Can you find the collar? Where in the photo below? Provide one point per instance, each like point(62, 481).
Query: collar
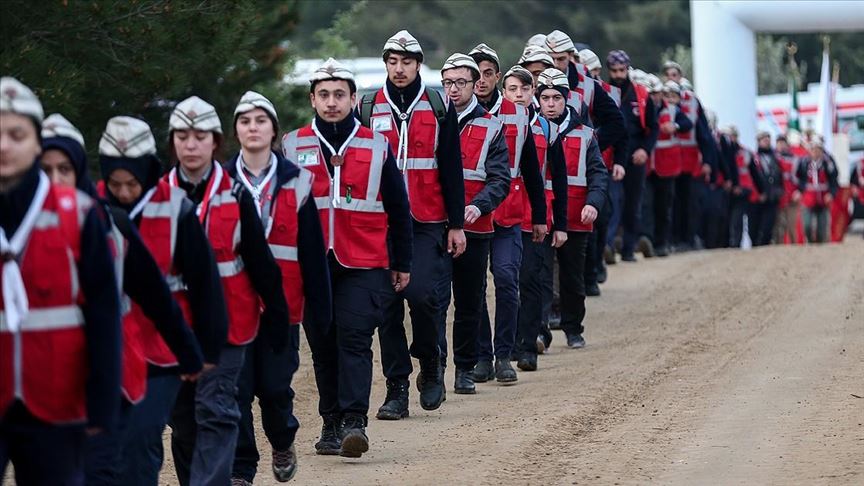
point(468, 109)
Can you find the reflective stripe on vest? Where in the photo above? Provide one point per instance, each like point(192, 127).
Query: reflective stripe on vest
point(282, 252)
point(492, 128)
point(48, 319)
point(382, 109)
point(584, 134)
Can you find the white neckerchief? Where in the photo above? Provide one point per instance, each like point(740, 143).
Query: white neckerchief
point(497, 106)
point(337, 170)
point(536, 117)
point(566, 122)
point(15, 302)
point(402, 152)
point(468, 109)
point(213, 185)
point(254, 189)
point(143, 202)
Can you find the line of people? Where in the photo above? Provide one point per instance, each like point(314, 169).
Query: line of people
point(152, 298)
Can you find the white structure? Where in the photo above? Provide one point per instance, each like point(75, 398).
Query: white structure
point(724, 47)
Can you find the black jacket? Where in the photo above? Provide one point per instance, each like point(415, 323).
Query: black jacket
point(826, 164)
point(637, 136)
point(605, 115)
point(768, 176)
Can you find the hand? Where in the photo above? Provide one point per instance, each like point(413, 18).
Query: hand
point(538, 232)
point(827, 198)
point(559, 238)
point(456, 242)
point(190, 377)
point(617, 172)
point(762, 198)
point(796, 196)
point(706, 170)
point(91, 431)
point(727, 186)
point(589, 214)
point(399, 280)
point(668, 127)
point(737, 190)
point(471, 214)
point(640, 156)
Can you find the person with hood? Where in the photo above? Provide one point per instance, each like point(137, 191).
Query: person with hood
point(172, 233)
point(204, 425)
point(59, 309)
point(140, 280)
point(362, 201)
point(281, 193)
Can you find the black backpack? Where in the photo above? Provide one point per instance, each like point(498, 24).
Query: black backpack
point(435, 100)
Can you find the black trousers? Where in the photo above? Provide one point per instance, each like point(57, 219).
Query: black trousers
point(535, 276)
point(760, 222)
point(427, 267)
point(683, 230)
point(571, 261)
point(342, 358)
point(597, 242)
point(631, 215)
point(738, 207)
point(664, 193)
point(469, 292)
point(714, 223)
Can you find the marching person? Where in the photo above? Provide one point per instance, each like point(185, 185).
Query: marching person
point(586, 186)
point(424, 136)
point(641, 122)
point(486, 173)
point(536, 270)
point(787, 215)
point(817, 187)
point(362, 202)
point(744, 192)
point(282, 201)
point(536, 60)
point(59, 311)
point(140, 281)
point(769, 183)
point(172, 232)
point(526, 184)
point(204, 425)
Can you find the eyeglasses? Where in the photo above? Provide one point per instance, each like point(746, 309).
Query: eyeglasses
point(460, 83)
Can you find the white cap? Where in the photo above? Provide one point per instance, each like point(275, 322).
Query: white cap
point(17, 98)
point(557, 41)
point(654, 83)
point(538, 40)
point(638, 76)
point(554, 78)
point(589, 59)
point(252, 100)
point(816, 140)
point(484, 50)
point(671, 87)
point(672, 65)
point(57, 125)
point(517, 68)
point(536, 54)
point(127, 137)
point(403, 41)
point(193, 113)
point(331, 69)
point(686, 85)
point(459, 60)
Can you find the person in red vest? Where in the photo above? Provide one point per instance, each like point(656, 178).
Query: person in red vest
point(281, 194)
point(592, 63)
point(140, 280)
point(59, 316)
point(172, 232)
point(424, 137)
point(586, 187)
point(485, 164)
point(362, 202)
point(856, 180)
point(536, 270)
point(205, 420)
point(817, 187)
point(744, 191)
point(787, 215)
point(666, 164)
point(526, 184)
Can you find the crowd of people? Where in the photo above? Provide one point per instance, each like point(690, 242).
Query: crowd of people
point(152, 297)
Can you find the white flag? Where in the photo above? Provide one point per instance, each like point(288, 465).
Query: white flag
point(825, 115)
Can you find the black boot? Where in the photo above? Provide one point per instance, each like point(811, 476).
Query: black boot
point(528, 362)
point(330, 443)
point(504, 372)
point(430, 382)
point(396, 404)
point(464, 383)
point(483, 372)
point(592, 290)
point(354, 439)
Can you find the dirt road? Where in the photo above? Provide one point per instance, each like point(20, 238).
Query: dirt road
point(723, 367)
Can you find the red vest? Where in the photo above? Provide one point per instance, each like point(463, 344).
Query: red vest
point(745, 180)
point(474, 140)
point(44, 363)
point(158, 228)
point(542, 145)
point(575, 144)
point(614, 92)
point(575, 99)
point(516, 128)
point(586, 89)
point(690, 161)
point(220, 215)
point(355, 228)
point(817, 184)
point(667, 152)
point(421, 167)
point(642, 101)
point(787, 167)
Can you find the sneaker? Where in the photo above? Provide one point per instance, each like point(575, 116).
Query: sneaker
point(609, 255)
point(645, 247)
point(354, 439)
point(284, 464)
point(330, 443)
point(592, 290)
point(483, 372)
point(575, 341)
point(430, 383)
point(504, 372)
point(464, 384)
point(528, 362)
point(395, 405)
point(240, 482)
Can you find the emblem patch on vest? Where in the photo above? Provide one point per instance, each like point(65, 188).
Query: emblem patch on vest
point(307, 158)
point(381, 124)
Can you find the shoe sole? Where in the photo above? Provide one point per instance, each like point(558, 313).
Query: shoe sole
point(328, 452)
point(578, 346)
point(508, 382)
point(482, 379)
point(354, 445)
point(391, 416)
point(465, 391)
point(283, 478)
point(526, 368)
